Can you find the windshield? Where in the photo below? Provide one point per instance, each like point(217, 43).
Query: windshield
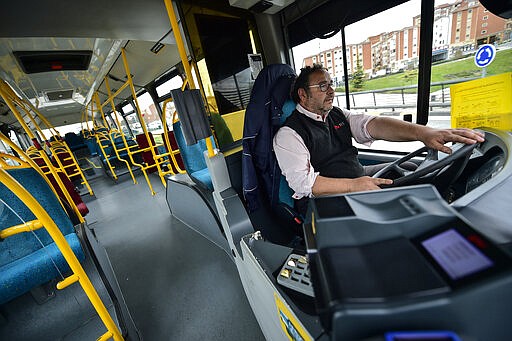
point(382, 58)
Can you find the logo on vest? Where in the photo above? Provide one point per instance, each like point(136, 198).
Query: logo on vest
point(339, 125)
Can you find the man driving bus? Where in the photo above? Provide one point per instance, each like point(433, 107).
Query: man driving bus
point(314, 146)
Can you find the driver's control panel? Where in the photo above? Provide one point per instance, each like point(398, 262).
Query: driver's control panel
point(401, 258)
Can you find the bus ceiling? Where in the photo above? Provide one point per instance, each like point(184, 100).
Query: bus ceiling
point(127, 20)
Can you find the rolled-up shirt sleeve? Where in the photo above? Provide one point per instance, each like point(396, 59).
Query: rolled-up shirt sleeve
point(294, 160)
point(358, 126)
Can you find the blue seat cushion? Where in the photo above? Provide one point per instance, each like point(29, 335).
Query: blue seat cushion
point(288, 107)
point(92, 146)
point(193, 157)
point(26, 258)
point(10, 248)
point(203, 176)
point(74, 141)
point(285, 192)
point(18, 277)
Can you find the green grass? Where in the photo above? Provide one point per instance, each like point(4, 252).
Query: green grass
point(463, 68)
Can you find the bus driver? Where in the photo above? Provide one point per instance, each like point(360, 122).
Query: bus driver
point(314, 146)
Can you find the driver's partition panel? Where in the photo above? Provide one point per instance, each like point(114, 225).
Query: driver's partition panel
point(189, 195)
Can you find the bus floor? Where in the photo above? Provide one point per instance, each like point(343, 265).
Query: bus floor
point(177, 284)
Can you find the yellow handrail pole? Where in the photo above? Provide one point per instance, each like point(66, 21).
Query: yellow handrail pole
point(64, 248)
point(164, 124)
point(26, 106)
point(28, 160)
point(141, 119)
point(167, 145)
point(115, 94)
point(110, 100)
point(99, 135)
point(60, 147)
point(87, 116)
point(179, 42)
point(29, 109)
point(14, 110)
point(82, 119)
point(100, 108)
point(38, 128)
point(83, 122)
point(25, 227)
point(55, 133)
point(86, 132)
point(134, 95)
point(137, 106)
point(184, 58)
point(166, 136)
point(42, 153)
point(82, 114)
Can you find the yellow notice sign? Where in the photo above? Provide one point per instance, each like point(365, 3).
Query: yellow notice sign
point(485, 102)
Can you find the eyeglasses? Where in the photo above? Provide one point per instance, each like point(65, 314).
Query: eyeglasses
point(324, 86)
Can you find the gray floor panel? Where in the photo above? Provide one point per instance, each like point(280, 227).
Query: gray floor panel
point(177, 284)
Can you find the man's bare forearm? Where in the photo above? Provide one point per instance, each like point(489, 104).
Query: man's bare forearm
point(385, 128)
point(325, 186)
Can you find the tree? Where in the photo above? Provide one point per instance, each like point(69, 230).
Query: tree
point(411, 76)
point(358, 77)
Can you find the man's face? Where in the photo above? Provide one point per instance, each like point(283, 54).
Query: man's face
point(313, 98)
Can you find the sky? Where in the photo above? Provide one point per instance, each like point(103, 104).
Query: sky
point(401, 16)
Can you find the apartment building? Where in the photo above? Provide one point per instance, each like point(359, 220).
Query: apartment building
point(473, 25)
point(458, 28)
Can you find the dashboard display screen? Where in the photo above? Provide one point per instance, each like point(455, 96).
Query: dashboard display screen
point(456, 256)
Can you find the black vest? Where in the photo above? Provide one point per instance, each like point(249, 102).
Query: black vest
point(329, 144)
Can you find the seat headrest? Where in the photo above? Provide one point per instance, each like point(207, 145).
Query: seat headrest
point(288, 108)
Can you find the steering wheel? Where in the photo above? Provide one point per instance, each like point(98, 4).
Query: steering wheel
point(440, 170)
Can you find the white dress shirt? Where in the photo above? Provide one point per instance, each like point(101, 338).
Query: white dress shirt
point(293, 155)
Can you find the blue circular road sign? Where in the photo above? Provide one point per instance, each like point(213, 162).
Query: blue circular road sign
point(485, 55)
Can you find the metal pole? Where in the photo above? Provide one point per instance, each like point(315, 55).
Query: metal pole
point(425, 63)
point(184, 58)
point(345, 68)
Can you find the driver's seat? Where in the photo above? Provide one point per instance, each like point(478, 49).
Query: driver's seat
point(264, 187)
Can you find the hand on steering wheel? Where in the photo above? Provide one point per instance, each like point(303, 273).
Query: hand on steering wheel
point(438, 171)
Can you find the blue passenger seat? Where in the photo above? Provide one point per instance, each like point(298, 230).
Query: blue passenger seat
point(29, 259)
point(90, 142)
point(119, 144)
point(193, 157)
point(74, 141)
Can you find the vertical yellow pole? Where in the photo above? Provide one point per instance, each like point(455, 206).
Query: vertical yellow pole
point(4, 92)
point(184, 58)
point(179, 42)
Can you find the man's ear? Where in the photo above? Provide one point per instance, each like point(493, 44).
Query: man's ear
point(302, 93)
